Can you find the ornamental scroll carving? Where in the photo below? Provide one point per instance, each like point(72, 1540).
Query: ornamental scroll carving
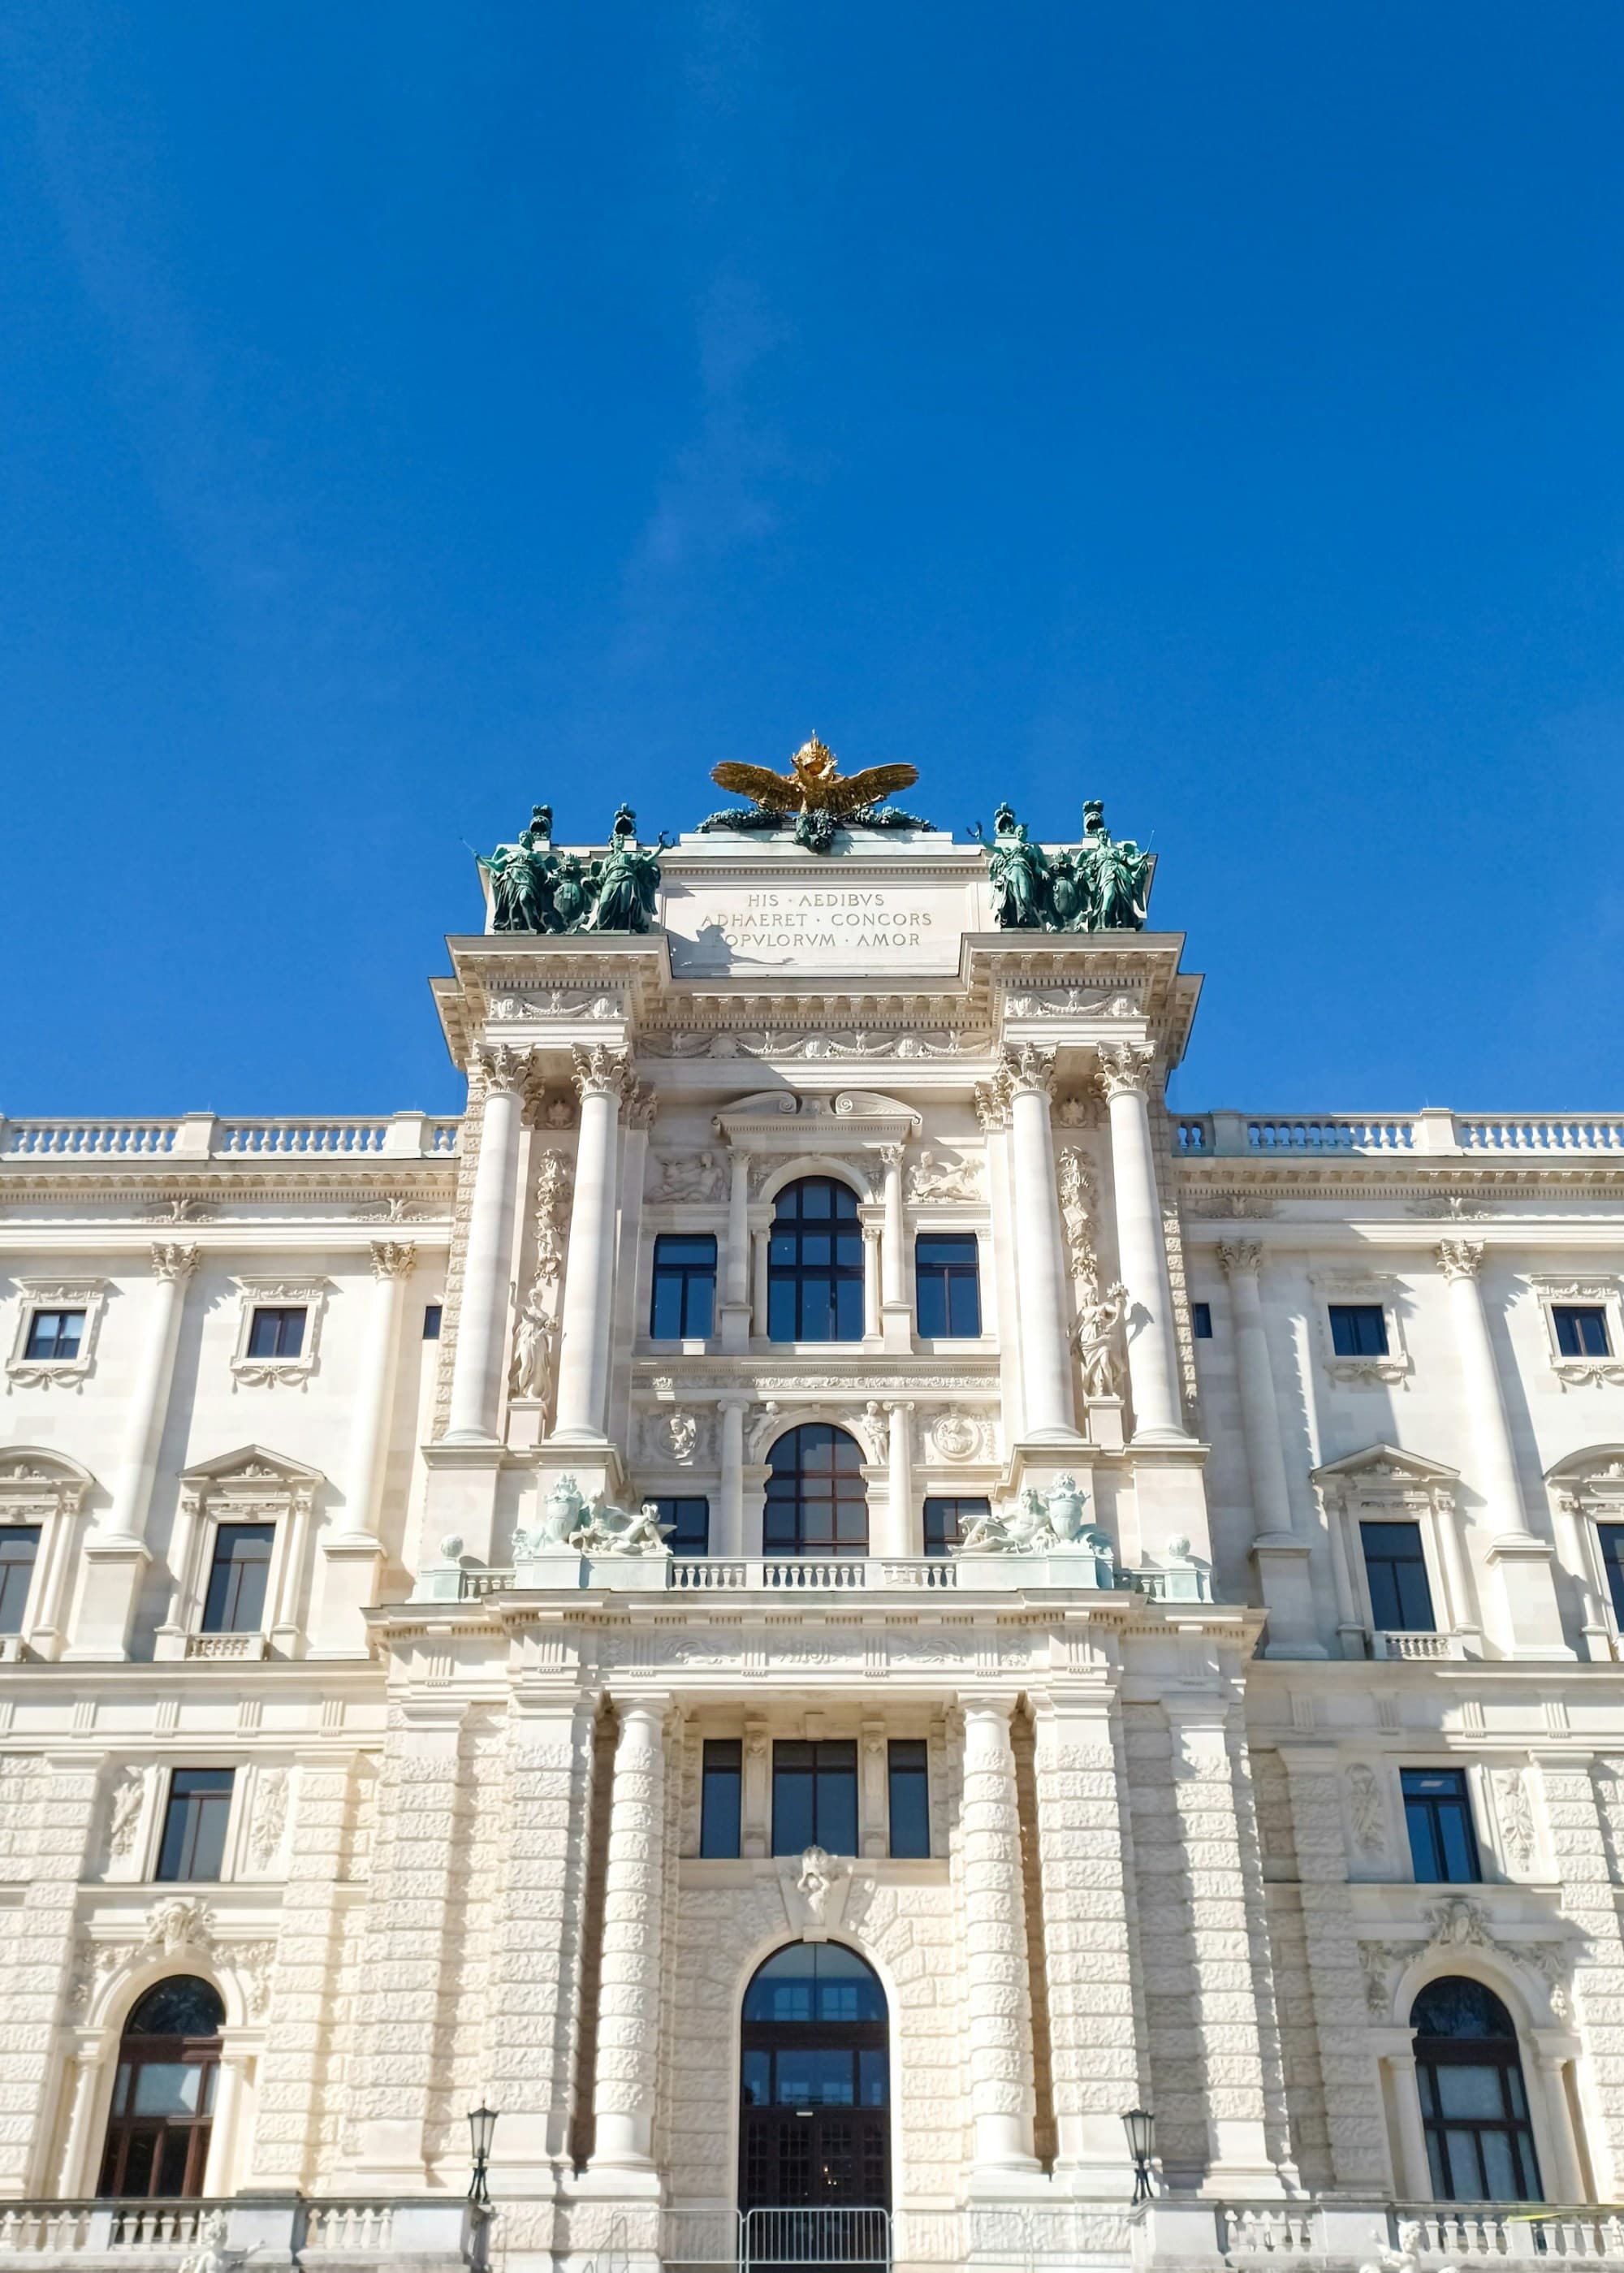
point(1460, 1925)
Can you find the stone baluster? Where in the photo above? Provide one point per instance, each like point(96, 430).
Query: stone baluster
point(1281, 1556)
point(603, 1076)
point(1152, 1348)
point(488, 1268)
point(1041, 1272)
point(729, 1537)
point(115, 1554)
point(735, 1320)
point(897, 1321)
point(1530, 1619)
point(999, 1997)
point(628, 2050)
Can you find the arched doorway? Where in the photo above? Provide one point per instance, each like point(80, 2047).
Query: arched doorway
point(164, 2093)
point(1474, 2103)
point(816, 1502)
point(814, 1263)
point(815, 2084)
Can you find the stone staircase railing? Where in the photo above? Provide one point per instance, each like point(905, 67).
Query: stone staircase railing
point(439, 2230)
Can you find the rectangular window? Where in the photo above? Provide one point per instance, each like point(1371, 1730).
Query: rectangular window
point(235, 1602)
point(815, 1797)
point(689, 1522)
point(685, 1289)
point(947, 1522)
point(193, 1845)
point(1358, 1330)
point(1610, 1537)
point(276, 1333)
point(1443, 1846)
point(949, 1285)
point(1401, 1599)
point(55, 1335)
point(431, 1315)
point(1201, 1321)
point(908, 1768)
point(1581, 1329)
point(721, 1788)
point(19, 1543)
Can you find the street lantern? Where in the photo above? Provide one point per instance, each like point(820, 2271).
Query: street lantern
point(481, 2127)
point(1140, 2125)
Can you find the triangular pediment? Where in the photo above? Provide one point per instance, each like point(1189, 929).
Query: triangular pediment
point(252, 1464)
point(1387, 1460)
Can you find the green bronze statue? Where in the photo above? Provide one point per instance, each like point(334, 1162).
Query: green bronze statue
point(533, 889)
point(1099, 885)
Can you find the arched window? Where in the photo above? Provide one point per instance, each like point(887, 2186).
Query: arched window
point(816, 1502)
point(163, 2095)
point(814, 2084)
point(1473, 2102)
point(814, 1264)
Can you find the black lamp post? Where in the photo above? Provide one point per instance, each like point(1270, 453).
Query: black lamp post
point(482, 2125)
point(1140, 2125)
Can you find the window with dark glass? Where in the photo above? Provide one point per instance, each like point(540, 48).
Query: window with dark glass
point(193, 1845)
point(1474, 2105)
point(814, 1264)
point(1401, 1599)
point(1201, 1321)
point(1610, 1536)
point(690, 1525)
point(234, 1601)
point(684, 1288)
point(947, 1277)
point(1358, 1330)
point(55, 1335)
point(1580, 1331)
point(816, 1502)
point(947, 1522)
point(276, 1333)
point(1443, 1845)
point(814, 2130)
point(815, 1796)
point(19, 1543)
point(909, 1775)
point(164, 2093)
point(722, 1786)
point(432, 1313)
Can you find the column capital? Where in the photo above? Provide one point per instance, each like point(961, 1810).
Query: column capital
point(642, 1103)
point(1126, 1068)
point(598, 1070)
point(646, 1711)
point(1027, 1070)
point(980, 1705)
point(990, 1101)
point(508, 1071)
point(394, 1258)
point(891, 1156)
point(1459, 1259)
point(173, 1262)
point(1241, 1258)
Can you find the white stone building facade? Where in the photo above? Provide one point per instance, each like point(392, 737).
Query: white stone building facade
point(1124, 1538)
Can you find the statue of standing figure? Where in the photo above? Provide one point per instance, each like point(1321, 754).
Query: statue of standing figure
point(531, 1372)
point(534, 888)
point(1099, 885)
point(1099, 1318)
point(1019, 872)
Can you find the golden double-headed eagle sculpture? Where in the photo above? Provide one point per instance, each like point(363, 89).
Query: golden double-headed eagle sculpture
point(816, 786)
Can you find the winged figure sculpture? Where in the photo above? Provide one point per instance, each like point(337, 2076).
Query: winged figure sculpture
point(815, 786)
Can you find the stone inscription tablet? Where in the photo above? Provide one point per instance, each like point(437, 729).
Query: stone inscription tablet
point(883, 927)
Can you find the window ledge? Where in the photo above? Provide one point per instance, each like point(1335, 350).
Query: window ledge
point(1582, 1372)
point(1416, 1645)
point(248, 1646)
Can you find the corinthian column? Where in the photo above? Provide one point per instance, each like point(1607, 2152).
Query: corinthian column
point(487, 1269)
point(629, 1990)
point(1530, 1622)
point(1152, 1352)
point(896, 1325)
point(998, 1992)
point(115, 1554)
point(1050, 1407)
point(603, 1076)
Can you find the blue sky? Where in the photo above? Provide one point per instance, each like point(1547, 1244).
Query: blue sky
point(408, 412)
